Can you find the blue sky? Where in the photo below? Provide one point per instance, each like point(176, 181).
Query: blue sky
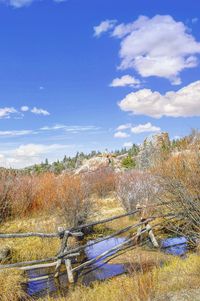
point(96, 74)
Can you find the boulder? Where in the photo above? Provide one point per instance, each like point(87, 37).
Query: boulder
point(93, 164)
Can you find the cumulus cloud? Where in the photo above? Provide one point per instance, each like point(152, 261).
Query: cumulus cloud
point(124, 127)
point(6, 112)
point(28, 154)
point(183, 103)
point(40, 111)
point(143, 128)
point(125, 80)
point(103, 27)
point(157, 46)
point(121, 134)
point(33, 150)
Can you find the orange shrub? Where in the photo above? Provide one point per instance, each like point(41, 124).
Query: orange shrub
point(22, 195)
point(101, 182)
point(73, 199)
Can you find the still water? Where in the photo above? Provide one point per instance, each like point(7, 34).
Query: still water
point(99, 271)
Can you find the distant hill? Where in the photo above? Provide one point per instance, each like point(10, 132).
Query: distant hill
point(153, 149)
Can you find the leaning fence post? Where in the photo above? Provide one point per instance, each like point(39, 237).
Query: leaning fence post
point(69, 270)
point(68, 266)
point(139, 230)
point(57, 268)
point(152, 236)
point(62, 248)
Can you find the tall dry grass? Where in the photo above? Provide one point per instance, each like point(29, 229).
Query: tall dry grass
point(153, 285)
point(10, 286)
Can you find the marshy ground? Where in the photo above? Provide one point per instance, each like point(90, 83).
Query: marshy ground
point(153, 274)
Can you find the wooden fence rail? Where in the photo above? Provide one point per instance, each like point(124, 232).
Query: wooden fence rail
point(79, 227)
point(61, 233)
point(65, 254)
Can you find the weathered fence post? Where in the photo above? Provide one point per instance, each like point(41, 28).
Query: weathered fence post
point(143, 218)
point(152, 236)
point(69, 270)
point(63, 249)
point(139, 230)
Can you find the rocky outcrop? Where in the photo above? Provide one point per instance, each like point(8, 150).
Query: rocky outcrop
point(99, 162)
point(93, 164)
point(151, 150)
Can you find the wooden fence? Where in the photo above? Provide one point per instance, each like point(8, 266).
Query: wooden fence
point(65, 255)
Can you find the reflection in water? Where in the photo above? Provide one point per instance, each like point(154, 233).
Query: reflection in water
point(100, 271)
point(103, 271)
point(46, 286)
point(175, 246)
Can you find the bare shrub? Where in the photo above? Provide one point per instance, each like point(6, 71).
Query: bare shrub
point(22, 195)
point(180, 179)
point(135, 187)
point(73, 199)
point(45, 192)
point(101, 182)
point(6, 182)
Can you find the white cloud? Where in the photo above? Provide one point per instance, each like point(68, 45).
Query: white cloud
point(143, 128)
point(54, 127)
point(15, 133)
point(128, 144)
point(28, 154)
point(157, 46)
point(183, 103)
point(23, 3)
point(18, 3)
point(6, 112)
point(80, 128)
point(24, 108)
point(124, 127)
point(103, 27)
point(72, 128)
point(40, 111)
point(121, 135)
point(57, 127)
point(125, 80)
point(33, 150)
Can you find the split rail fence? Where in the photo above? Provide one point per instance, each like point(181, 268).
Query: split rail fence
point(66, 255)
